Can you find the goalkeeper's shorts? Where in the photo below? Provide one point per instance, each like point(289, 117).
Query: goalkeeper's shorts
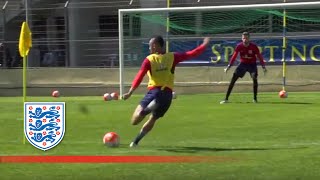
point(243, 68)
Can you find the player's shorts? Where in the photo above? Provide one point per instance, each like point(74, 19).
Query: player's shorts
point(243, 68)
point(162, 99)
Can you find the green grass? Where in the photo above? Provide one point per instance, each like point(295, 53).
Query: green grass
point(274, 139)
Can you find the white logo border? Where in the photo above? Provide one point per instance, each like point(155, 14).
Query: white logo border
point(64, 124)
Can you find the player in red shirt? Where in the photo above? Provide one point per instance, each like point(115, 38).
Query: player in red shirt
point(248, 63)
point(160, 67)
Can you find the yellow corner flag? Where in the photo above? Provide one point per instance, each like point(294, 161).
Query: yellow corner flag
point(25, 40)
point(25, 43)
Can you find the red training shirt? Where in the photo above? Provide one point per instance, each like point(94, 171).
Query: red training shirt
point(248, 55)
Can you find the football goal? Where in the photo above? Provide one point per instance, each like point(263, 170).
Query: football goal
point(286, 33)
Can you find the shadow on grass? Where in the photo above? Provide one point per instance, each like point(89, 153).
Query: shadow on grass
point(83, 109)
point(212, 149)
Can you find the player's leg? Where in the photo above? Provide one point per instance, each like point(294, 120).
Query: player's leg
point(163, 103)
point(144, 130)
point(239, 72)
point(254, 75)
point(234, 79)
point(137, 117)
point(145, 107)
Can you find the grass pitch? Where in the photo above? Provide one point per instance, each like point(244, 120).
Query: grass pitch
point(274, 139)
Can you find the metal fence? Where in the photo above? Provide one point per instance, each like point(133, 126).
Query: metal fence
point(75, 33)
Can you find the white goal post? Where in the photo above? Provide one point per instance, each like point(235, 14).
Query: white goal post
point(122, 12)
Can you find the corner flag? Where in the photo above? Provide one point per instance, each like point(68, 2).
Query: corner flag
point(25, 40)
point(25, 43)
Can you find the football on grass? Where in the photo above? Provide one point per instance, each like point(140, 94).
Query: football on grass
point(55, 93)
point(107, 97)
point(114, 96)
point(111, 139)
point(283, 94)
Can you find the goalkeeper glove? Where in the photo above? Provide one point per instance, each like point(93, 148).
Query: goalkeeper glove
point(227, 68)
point(264, 70)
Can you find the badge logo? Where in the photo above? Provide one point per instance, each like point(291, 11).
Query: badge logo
point(44, 123)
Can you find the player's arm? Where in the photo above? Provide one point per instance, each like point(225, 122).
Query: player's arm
point(145, 67)
point(233, 59)
point(179, 57)
point(260, 57)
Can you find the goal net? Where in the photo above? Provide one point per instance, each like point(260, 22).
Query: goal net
point(287, 32)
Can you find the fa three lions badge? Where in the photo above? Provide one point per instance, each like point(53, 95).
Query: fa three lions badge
point(44, 123)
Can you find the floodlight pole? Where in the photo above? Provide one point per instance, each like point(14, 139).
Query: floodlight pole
point(4, 34)
point(121, 56)
point(66, 36)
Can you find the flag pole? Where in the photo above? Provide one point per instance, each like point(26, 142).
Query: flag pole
point(25, 58)
point(24, 75)
point(168, 27)
point(284, 47)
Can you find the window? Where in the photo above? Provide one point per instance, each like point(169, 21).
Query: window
point(109, 25)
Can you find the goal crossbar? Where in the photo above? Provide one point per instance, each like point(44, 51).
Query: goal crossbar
point(300, 5)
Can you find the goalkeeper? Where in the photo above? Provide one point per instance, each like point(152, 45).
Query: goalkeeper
point(160, 67)
point(248, 63)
